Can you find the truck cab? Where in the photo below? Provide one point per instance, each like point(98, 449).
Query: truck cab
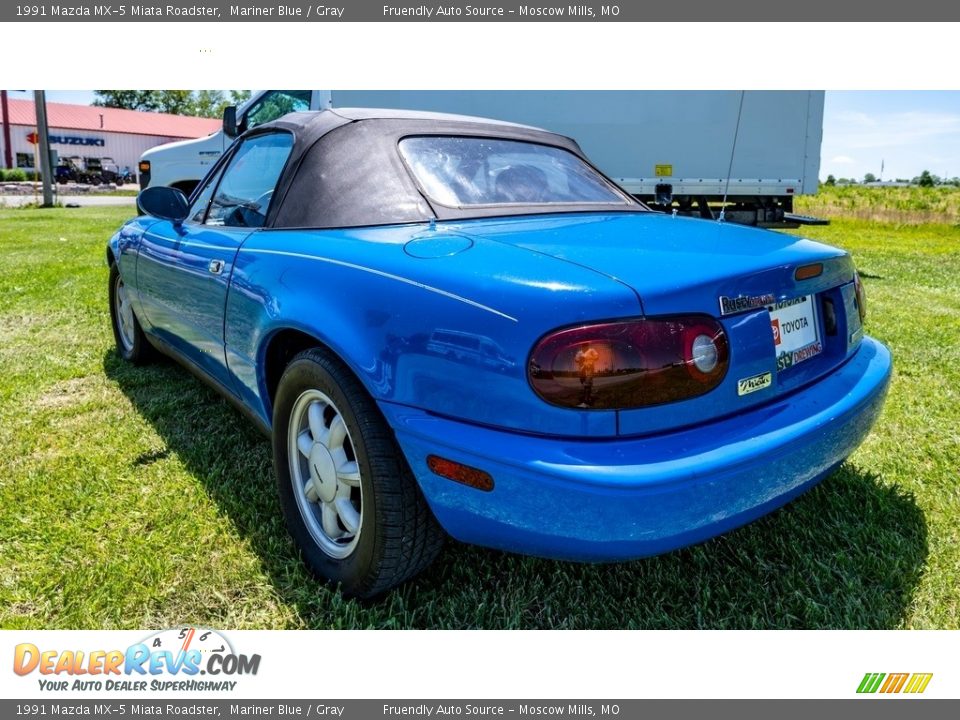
point(183, 164)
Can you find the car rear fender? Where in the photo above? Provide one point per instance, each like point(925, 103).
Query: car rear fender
point(380, 310)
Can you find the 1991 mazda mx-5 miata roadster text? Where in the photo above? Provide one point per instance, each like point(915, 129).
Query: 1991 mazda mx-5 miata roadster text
point(454, 324)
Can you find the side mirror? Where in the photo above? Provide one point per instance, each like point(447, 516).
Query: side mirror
point(230, 121)
point(164, 202)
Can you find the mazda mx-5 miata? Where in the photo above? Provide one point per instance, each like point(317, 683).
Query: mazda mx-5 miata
point(451, 325)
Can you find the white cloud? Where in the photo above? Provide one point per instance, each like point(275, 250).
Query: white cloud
point(855, 130)
point(897, 140)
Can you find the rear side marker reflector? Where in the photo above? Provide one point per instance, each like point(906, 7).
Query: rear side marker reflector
point(805, 272)
point(460, 473)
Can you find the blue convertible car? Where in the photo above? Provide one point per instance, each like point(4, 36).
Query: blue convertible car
point(453, 324)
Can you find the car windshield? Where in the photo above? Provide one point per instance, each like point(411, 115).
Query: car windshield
point(474, 171)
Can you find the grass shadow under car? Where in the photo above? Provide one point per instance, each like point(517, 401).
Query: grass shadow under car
point(848, 554)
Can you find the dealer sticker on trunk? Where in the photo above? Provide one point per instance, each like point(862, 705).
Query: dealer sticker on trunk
point(748, 385)
point(796, 336)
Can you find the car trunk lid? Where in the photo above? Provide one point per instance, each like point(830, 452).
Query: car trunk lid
point(730, 272)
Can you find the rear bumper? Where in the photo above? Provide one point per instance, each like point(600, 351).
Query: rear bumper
point(624, 498)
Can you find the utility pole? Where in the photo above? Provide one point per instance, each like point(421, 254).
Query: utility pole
point(7, 153)
point(40, 101)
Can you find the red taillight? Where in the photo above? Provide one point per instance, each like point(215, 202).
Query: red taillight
point(861, 297)
point(630, 364)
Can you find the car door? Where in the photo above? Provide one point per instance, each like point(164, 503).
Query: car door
point(183, 268)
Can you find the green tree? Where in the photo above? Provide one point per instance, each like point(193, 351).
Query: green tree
point(831, 181)
point(926, 179)
point(869, 178)
point(209, 103)
point(238, 97)
point(202, 103)
point(175, 102)
point(273, 107)
point(127, 99)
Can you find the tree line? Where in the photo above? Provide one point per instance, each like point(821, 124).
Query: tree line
point(199, 103)
point(924, 179)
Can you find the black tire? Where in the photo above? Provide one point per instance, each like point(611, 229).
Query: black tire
point(398, 535)
point(139, 350)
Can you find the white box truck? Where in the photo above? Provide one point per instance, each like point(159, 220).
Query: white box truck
point(678, 150)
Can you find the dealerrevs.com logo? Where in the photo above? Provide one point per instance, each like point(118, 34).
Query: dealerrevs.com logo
point(169, 660)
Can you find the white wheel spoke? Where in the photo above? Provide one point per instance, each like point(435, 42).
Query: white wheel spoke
point(315, 418)
point(348, 514)
point(304, 443)
point(338, 433)
point(349, 474)
point(328, 517)
point(324, 473)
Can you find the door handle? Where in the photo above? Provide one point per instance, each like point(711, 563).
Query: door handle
point(215, 266)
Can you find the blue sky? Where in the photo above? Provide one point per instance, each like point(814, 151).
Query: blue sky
point(907, 131)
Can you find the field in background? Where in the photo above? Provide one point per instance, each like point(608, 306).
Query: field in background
point(898, 205)
point(137, 498)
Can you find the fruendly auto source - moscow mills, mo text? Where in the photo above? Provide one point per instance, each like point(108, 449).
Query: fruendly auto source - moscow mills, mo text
point(306, 11)
point(533, 11)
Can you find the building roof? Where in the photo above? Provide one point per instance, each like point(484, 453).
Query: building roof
point(87, 117)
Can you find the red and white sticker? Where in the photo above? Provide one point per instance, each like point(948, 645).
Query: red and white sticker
point(796, 336)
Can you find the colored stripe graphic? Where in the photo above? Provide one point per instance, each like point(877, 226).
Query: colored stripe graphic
point(870, 682)
point(894, 683)
point(918, 683)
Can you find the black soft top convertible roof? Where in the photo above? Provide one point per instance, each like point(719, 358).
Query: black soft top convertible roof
point(345, 168)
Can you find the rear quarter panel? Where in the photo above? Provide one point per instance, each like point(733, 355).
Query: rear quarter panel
point(379, 309)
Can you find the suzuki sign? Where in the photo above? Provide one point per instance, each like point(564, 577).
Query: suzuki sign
point(33, 138)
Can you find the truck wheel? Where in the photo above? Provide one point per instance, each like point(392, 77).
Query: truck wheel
point(350, 501)
point(132, 344)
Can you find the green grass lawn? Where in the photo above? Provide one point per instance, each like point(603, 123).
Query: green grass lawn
point(137, 498)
